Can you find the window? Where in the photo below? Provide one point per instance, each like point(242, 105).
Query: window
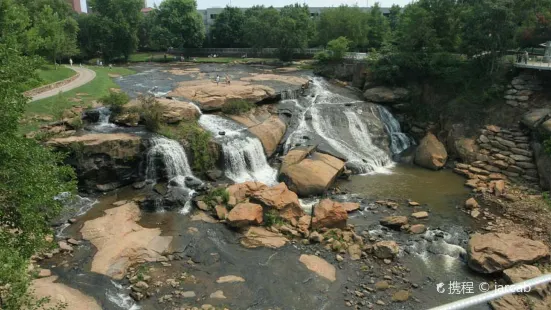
point(314, 14)
point(213, 16)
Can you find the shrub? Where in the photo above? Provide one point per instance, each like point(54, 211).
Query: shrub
point(338, 47)
point(237, 107)
point(115, 101)
point(151, 112)
point(272, 218)
point(211, 198)
point(322, 56)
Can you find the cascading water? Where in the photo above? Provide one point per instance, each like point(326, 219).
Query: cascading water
point(103, 124)
point(335, 122)
point(172, 154)
point(399, 141)
point(244, 156)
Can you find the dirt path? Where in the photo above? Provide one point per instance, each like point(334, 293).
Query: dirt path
point(85, 76)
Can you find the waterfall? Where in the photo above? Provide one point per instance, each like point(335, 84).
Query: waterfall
point(103, 124)
point(399, 141)
point(244, 156)
point(172, 155)
point(289, 94)
point(330, 119)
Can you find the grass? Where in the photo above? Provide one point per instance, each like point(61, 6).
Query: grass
point(47, 74)
point(81, 96)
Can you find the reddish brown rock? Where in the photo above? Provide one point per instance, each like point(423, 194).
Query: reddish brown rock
point(280, 198)
point(431, 153)
point(350, 206)
point(245, 214)
point(329, 214)
point(495, 252)
point(259, 237)
point(471, 203)
point(395, 222)
point(319, 266)
point(386, 249)
point(239, 192)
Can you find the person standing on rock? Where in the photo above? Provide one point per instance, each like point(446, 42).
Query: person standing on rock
point(525, 57)
point(217, 79)
point(71, 61)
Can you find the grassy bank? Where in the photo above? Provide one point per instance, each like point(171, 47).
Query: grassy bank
point(83, 96)
point(47, 74)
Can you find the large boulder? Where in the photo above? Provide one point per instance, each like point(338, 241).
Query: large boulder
point(55, 293)
point(103, 161)
point(212, 97)
point(240, 192)
point(319, 266)
point(245, 214)
point(121, 242)
point(493, 252)
point(431, 153)
point(312, 175)
point(386, 249)
point(280, 198)
point(460, 146)
point(329, 214)
point(383, 94)
point(534, 118)
point(175, 111)
point(260, 237)
point(269, 129)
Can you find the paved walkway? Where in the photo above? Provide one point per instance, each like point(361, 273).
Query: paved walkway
point(534, 65)
point(86, 75)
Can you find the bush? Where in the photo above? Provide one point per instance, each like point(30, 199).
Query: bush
point(237, 107)
point(211, 198)
point(322, 56)
point(338, 47)
point(115, 101)
point(151, 112)
point(272, 218)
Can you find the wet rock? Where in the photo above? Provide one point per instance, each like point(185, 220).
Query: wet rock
point(280, 198)
point(63, 246)
point(382, 94)
point(221, 212)
point(413, 203)
point(58, 293)
point(203, 205)
point(395, 222)
point(417, 229)
point(239, 192)
point(355, 252)
point(420, 215)
point(471, 203)
point(431, 153)
point(121, 241)
point(230, 279)
point(309, 174)
point(245, 214)
point(319, 266)
point(72, 241)
point(141, 285)
point(329, 214)
point(495, 252)
point(192, 182)
point(218, 295)
point(316, 237)
point(259, 236)
point(269, 131)
point(350, 206)
point(386, 249)
point(214, 174)
point(400, 296)
point(203, 217)
point(382, 285)
point(43, 273)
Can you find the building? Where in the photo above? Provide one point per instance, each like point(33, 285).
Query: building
point(209, 14)
point(75, 4)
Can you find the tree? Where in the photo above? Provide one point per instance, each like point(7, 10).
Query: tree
point(344, 21)
point(295, 28)
point(394, 16)
point(181, 23)
point(56, 36)
point(30, 177)
point(338, 47)
point(14, 23)
point(445, 21)
point(258, 29)
point(415, 32)
point(378, 29)
point(227, 30)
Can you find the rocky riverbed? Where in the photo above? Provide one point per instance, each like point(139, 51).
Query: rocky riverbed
point(336, 223)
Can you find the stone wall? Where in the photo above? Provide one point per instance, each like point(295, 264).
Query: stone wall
point(521, 88)
point(504, 154)
point(41, 89)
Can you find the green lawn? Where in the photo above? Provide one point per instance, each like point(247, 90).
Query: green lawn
point(82, 96)
point(47, 74)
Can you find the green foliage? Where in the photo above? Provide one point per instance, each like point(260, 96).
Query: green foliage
point(272, 218)
point(213, 196)
point(112, 31)
point(151, 112)
point(115, 100)
point(378, 28)
point(236, 107)
point(30, 177)
point(547, 146)
point(344, 21)
point(294, 30)
point(338, 47)
point(258, 29)
point(179, 24)
point(227, 30)
point(547, 198)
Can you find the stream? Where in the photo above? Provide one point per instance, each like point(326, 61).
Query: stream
point(365, 135)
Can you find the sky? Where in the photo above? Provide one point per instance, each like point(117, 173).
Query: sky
point(203, 4)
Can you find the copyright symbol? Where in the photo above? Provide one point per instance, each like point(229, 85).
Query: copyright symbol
point(484, 287)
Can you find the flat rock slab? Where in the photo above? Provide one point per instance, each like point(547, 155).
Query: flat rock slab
point(121, 242)
point(258, 236)
point(493, 252)
point(319, 266)
point(230, 279)
point(60, 293)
